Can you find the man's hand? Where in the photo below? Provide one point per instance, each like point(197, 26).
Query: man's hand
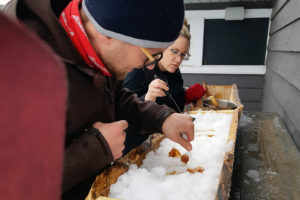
point(114, 135)
point(156, 89)
point(175, 125)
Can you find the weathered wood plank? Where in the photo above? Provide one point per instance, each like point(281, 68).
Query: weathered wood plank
point(286, 39)
point(287, 96)
point(270, 164)
point(225, 179)
point(252, 105)
point(249, 94)
point(272, 105)
point(287, 64)
point(242, 81)
point(289, 13)
point(278, 5)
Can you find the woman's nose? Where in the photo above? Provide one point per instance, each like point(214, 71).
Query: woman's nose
point(178, 58)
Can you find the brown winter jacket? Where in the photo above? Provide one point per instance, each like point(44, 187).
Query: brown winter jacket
point(92, 97)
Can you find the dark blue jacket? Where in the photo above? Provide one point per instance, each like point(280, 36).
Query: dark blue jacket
point(139, 79)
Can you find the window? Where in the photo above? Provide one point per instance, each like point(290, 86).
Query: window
point(227, 47)
point(240, 42)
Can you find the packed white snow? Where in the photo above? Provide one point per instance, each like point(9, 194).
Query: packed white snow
point(151, 180)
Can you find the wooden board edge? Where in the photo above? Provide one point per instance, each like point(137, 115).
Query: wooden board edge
point(225, 178)
point(236, 99)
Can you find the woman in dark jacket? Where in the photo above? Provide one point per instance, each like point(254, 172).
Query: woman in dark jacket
point(163, 84)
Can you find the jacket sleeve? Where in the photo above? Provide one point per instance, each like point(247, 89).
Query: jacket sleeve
point(85, 156)
point(141, 115)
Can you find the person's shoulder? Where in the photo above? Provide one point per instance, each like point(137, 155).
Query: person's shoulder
point(134, 76)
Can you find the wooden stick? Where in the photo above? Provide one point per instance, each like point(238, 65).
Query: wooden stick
point(214, 101)
point(148, 54)
point(206, 88)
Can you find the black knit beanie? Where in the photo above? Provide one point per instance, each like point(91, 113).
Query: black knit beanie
point(145, 23)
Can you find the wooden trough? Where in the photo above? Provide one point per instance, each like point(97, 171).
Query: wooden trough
point(109, 176)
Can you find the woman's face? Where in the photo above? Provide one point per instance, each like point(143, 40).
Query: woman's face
point(173, 56)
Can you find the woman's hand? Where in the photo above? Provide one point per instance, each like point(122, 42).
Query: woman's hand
point(156, 89)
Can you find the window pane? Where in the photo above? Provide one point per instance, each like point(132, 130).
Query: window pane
point(235, 42)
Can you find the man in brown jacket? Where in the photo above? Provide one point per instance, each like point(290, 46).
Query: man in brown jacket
point(100, 41)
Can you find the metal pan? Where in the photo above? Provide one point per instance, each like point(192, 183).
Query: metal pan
point(223, 104)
